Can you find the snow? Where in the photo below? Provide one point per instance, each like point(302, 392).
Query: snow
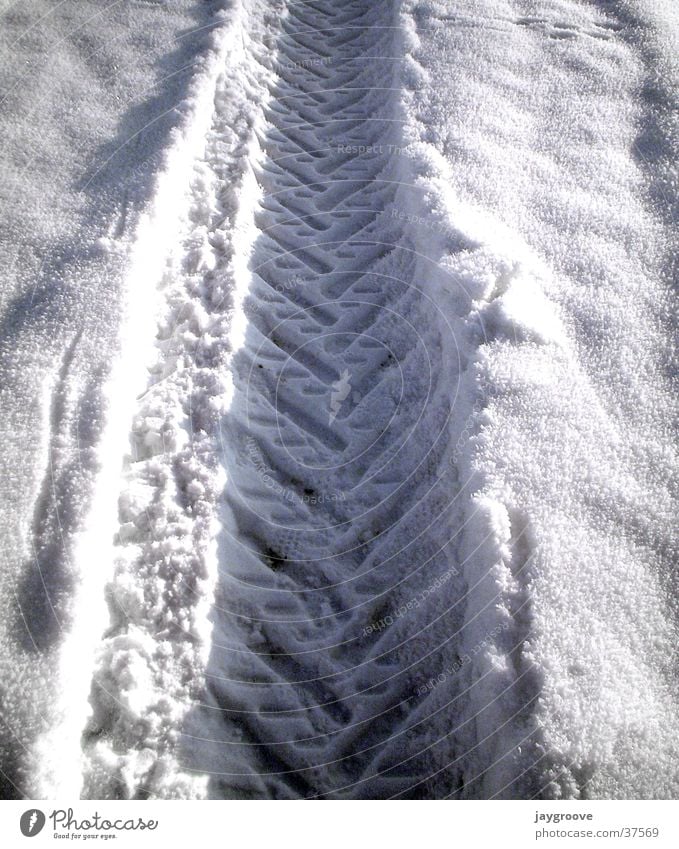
point(89, 97)
point(339, 391)
point(575, 439)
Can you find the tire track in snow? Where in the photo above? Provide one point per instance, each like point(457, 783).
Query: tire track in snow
point(336, 509)
point(304, 359)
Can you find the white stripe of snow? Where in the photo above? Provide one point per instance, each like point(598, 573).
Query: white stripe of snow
point(56, 769)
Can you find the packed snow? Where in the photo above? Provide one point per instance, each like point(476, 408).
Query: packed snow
point(338, 377)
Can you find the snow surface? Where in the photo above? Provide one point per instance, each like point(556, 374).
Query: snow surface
point(90, 93)
point(339, 392)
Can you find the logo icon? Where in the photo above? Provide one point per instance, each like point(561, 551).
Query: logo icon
point(341, 388)
point(32, 822)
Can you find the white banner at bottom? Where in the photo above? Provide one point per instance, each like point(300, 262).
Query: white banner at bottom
point(339, 825)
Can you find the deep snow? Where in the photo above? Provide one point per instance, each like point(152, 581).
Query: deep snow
point(375, 351)
point(90, 94)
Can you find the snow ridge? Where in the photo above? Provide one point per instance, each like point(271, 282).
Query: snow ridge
point(150, 658)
